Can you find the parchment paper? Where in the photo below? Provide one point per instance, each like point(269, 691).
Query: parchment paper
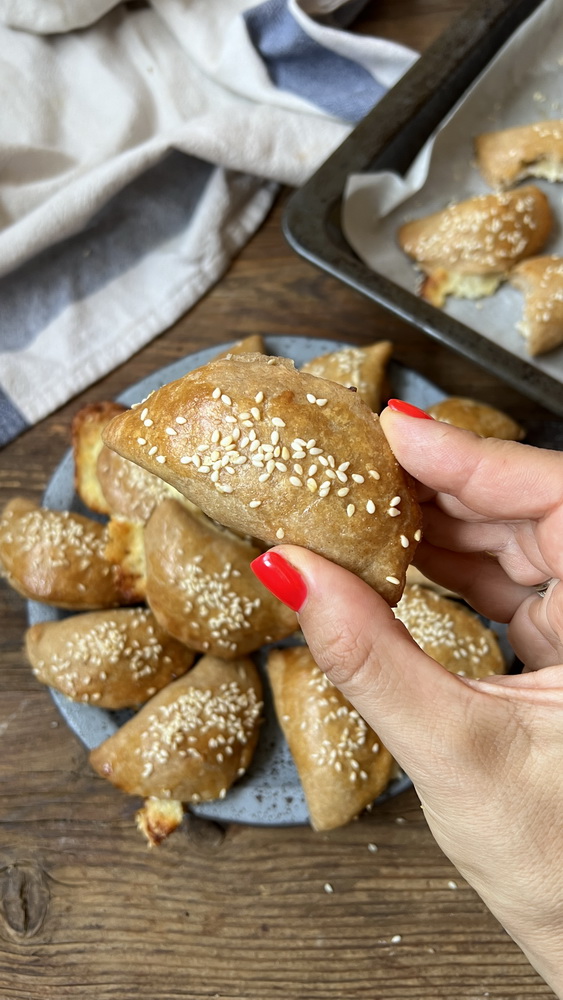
point(523, 84)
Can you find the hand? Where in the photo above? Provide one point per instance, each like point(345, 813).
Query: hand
point(486, 757)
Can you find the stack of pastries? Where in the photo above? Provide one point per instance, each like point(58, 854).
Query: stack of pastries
point(164, 616)
point(471, 247)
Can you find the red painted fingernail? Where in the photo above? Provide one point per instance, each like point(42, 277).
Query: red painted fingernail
point(281, 579)
point(408, 409)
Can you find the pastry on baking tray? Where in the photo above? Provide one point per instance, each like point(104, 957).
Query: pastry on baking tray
point(280, 455)
point(541, 281)
point(113, 658)
point(341, 763)
point(363, 368)
point(192, 740)
point(467, 249)
point(510, 155)
point(86, 430)
point(202, 590)
point(482, 419)
point(450, 633)
point(58, 557)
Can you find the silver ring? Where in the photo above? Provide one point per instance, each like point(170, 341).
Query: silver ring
point(542, 588)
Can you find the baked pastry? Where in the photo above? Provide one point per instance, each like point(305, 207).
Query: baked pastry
point(510, 155)
point(467, 249)
point(253, 344)
point(362, 368)
point(282, 456)
point(341, 763)
point(131, 492)
point(414, 576)
point(202, 590)
point(158, 819)
point(192, 740)
point(482, 419)
point(57, 557)
point(113, 659)
point(86, 430)
point(450, 633)
point(541, 281)
point(125, 549)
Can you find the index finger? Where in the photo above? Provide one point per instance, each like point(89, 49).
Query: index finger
point(502, 479)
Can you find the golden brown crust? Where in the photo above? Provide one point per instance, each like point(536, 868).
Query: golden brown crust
point(361, 367)
point(253, 344)
point(541, 281)
point(192, 740)
point(341, 763)
point(281, 455)
point(125, 549)
point(467, 249)
point(202, 590)
point(130, 491)
point(112, 659)
point(450, 633)
point(510, 155)
point(158, 818)
point(57, 557)
point(87, 426)
point(482, 419)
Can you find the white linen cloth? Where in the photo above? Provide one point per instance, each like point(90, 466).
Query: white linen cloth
point(141, 145)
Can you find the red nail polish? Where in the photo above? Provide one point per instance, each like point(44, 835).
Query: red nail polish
point(408, 409)
point(281, 579)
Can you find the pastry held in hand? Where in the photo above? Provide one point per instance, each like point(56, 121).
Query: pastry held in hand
point(450, 633)
point(363, 368)
point(202, 590)
point(114, 659)
point(192, 740)
point(341, 763)
point(482, 419)
point(467, 249)
point(282, 456)
point(58, 558)
point(541, 281)
point(510, 155)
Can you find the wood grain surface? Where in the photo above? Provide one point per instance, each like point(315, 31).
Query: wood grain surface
point(87, 911)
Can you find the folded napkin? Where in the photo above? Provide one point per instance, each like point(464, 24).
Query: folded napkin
point(142, 144)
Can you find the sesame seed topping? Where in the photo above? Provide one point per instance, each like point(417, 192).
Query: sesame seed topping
point(370, 507)
point(259, 397)
point(393, 512)
point(161, 459)
point(350, 510)
point(404, 541)
point(280, 533)
point(180, 420)
point(278, 422)
point(141, 440)
point(226, 399)
point(395, 502)
point(374, 474)
point(171, 431)
point(392, 579)
point(321, 402)
point(417, 535)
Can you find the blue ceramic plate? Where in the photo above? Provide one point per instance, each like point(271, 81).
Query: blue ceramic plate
point(270, 794)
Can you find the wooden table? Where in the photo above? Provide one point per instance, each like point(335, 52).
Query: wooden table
point(87, 911)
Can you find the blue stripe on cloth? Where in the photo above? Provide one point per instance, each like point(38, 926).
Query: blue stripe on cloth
point(146, 213)
point(12, 422)
point(295, 62)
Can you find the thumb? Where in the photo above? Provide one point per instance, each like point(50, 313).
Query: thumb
point(414, 705)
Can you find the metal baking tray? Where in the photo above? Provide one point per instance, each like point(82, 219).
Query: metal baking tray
point(389, 138)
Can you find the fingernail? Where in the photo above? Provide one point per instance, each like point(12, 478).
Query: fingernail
point(408, 409)
point(281, 579)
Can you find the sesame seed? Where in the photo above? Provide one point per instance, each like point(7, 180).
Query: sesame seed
point(280, 533)
point(374, 474)
point(144, 413)
point(350, 510)
point(171, 432)
point(395, 502)
point(417, 535)
point(321, 402)
point(148, 422)
point(255, 412)
point(370, 507)
point(226, 399)
point(153, 450)
point(254, 503)
point(452, 884)
point(357, 478)
point(311, 398)
point(278, 422)
point(216, 394)
point(328, 887)
point(180, 420)
point(259, 397)
point(161, 459)
point(396, 939)
point(392, 579)
point(141, 440)
point(295, 481)
point(343, 492)
point(373, 848)
point(393, 512)
point(404, 541)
